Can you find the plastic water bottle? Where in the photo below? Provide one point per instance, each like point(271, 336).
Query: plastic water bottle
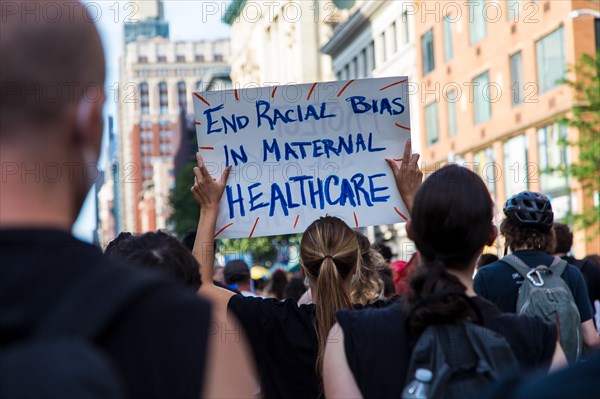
point(419, 387)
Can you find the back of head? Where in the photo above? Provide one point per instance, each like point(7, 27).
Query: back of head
point(564, 238)
point(451, 222)
point(486, 259)
point(329, 255)
point(528, 222)
point(278, 284)
point(162, 253)
point(295, 289)
point(51, 94)
point(236, 271)
point(367, 287)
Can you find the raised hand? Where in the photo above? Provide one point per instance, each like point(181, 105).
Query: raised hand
point(408, 176)
point(208, 191)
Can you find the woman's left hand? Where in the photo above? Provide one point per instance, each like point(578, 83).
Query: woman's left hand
point(208, 191)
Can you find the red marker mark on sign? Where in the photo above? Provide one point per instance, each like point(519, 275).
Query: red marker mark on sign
point(400, 213)
point(273, 92)
point(345, 87)
point(202, 99)
point(198, 123)
point(206, 148)
point(402, 127)
point(253, 228)
point(311, 91)
point(355, 220)
point(393, 84)
point(296, 222)
point(223, 229)
point(237, 96)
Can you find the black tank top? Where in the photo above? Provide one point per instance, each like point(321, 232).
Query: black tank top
point(378, 345)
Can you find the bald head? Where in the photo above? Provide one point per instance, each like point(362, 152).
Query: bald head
point(51, 60)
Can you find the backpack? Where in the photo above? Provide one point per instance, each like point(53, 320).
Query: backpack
point(60, 360)
point(545, 294)
point(464, 358)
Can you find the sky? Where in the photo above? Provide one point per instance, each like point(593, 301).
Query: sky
point(188, 20)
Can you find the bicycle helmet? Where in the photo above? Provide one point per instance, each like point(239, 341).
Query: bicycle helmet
point(529, 209)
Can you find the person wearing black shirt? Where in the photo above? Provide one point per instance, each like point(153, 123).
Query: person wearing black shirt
point(368, 352)
point(527, 229)
point(287, 340)
point(590, 271)
point(159, 344)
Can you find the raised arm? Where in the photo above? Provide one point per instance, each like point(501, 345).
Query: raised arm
point(408, 176)
point(208, 192)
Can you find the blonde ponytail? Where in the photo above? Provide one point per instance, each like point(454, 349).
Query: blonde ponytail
point(331, 297)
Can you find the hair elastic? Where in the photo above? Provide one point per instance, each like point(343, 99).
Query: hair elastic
point(328, 256)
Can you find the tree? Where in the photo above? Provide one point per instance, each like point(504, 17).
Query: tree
point(585, 117)
point(186, 211)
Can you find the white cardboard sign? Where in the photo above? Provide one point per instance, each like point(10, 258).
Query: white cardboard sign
point(299, 152)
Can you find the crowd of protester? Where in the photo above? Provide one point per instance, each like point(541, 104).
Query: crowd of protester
point(157, 317)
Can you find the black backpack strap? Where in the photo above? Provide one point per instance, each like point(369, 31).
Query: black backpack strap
point(95, 299)
point(520, 267)
point(558, 266)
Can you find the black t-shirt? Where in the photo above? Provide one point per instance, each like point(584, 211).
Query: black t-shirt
point(499, 283)
point(159, 342)
point(284, 343)
point(378, 344)
point(591, 275)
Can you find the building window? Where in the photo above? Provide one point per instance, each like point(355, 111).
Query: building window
point(552, 156)
point(482, 108)
point(181, 58)
point(163, 98)
point(355, 68)
point(513, 8)
point(365, 62)
point(218, 58)
point(394, 33)
point(427, 50)
point(383, 47)
point(451, 100)
point(347, 71)
point(162, 58)
point(550, 57)
point(486, 168)
point(431, 123)
point(405, 31)
point(182, 96)
point(142, 59)
point(144, 98)
point(371, 56)
point(447, 38)
point(477, 24)
point(199, 58)
point(515, 165)
point(338, 75)
point(516, 77)
point(199, 86)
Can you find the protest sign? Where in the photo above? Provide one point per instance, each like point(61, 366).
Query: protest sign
point(299, 152)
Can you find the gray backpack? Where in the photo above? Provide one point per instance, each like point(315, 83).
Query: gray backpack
point(545, 294)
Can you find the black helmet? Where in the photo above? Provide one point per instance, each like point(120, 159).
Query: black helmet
point(529, 209)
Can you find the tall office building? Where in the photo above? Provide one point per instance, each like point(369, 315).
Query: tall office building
point(157, 79)
point(490, 94)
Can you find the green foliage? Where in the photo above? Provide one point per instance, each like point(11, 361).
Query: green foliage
point(186, 211)
point(586, 118)
point(264, 250)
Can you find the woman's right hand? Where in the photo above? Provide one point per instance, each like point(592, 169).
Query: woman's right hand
point(408, 176)
point(208, 191)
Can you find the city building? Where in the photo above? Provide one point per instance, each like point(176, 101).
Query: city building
point(490, 94)
point(275, 43)
point(108, 193)
point(157, 79)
